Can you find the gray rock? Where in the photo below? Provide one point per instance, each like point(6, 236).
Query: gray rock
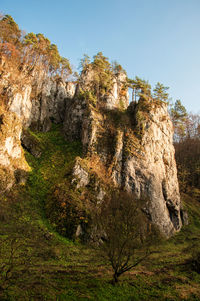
point(137, 151)
point(81, 176)
point(142, 163)
point(31, 144)
point(79, 231)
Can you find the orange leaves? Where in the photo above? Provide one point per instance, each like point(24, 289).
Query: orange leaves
point(9, 50)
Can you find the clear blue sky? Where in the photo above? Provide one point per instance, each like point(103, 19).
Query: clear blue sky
point(157, 40)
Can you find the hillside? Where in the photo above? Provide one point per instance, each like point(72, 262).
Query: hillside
point(47, 266)
point(89, 190)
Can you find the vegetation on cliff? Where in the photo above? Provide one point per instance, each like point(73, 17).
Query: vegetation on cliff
point(66, 226)
point(29, 52)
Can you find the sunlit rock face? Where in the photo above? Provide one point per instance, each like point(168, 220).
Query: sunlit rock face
point(137, 150)
point(149, 169)
point(131, 143)
point(118, 96)
point(13, 166)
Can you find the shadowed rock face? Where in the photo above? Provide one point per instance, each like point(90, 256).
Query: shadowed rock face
point(38, 106)
point(80, 121)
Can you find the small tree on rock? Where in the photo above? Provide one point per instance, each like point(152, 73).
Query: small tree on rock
point(160, 92)
point(141, 88)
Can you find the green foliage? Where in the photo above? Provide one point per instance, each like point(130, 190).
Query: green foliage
point(141, 88)
point(9, 30)
point(62, 203)
point(101, 62)
point(42, 51)
point(50, 267)
point(117, 68)
point(14, 254)
point(30, 39)
point(66, 210)
point(84, 63)
point(65, 68)
point(33, 49)
point(160, 92)
point(102, 74)
point(88, 96)
point(102, 81)
point(179, 118)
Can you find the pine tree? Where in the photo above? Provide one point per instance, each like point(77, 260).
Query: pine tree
point(160, 92)
point(179, 118)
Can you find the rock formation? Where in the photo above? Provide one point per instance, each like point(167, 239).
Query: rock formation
point(135, 146)
point(34, 101)
point(126, 146)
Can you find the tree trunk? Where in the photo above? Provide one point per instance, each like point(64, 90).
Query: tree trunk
point(115, 278)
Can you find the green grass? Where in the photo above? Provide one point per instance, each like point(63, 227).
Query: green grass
point(48, 266)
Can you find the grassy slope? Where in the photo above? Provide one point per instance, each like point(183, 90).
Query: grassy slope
point(55, 268)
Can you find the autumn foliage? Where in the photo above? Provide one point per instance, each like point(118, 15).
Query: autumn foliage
point(30, 51)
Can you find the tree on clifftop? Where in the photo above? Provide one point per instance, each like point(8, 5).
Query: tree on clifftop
point(141, 88)
point(30, 51)
point(102, 74)
point(40, 51)
point(85, 61)
point(160, 92)
point(9, 30)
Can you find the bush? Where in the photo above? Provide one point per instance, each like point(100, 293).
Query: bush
point(66, 211)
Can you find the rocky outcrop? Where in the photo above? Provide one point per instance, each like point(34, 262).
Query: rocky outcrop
point(27, 100)
point(82, 110)
point(30, 143)
point(13, 166)
point(118, 96)
point(149, 169)
point(125, 146)
point(134, 144)
point(38, 106)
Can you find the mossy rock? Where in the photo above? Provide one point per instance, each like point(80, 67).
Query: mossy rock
point(31, 143)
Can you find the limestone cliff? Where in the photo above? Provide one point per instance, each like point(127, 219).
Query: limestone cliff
point(134, 144)
point(125, 146)
point(13, 166)
point(28, 99)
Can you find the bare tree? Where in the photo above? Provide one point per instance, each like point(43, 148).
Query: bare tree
point(126, 233)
